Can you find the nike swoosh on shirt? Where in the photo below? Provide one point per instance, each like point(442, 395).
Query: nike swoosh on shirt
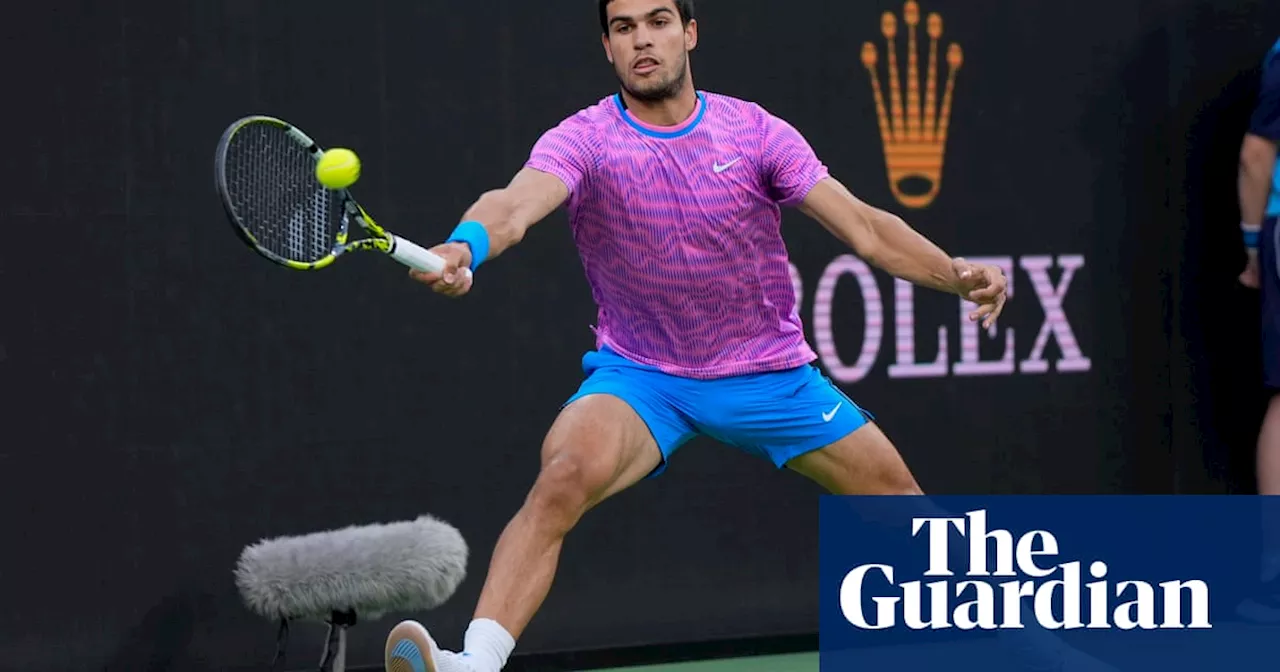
point(721, 167)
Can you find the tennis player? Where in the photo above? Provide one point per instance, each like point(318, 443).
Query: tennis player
point(1259, 186)
point(674, 197)
point(1259, 189)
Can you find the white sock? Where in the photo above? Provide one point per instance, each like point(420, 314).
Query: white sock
point(488, 645)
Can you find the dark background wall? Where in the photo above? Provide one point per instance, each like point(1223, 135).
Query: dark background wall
point(168, 397)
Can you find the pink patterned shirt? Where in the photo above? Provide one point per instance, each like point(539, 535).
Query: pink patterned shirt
point(679, 232)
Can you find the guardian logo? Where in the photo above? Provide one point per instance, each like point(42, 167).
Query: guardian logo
point(991, 580)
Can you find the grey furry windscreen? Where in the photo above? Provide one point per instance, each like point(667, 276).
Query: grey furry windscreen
point(374, 569)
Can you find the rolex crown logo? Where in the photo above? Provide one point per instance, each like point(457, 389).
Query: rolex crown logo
point(915, 138)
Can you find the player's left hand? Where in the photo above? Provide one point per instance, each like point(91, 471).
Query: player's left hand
point(984, 285)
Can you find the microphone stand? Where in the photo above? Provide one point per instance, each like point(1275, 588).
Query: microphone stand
point(336, 661)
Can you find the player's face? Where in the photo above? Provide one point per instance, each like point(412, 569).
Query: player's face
point(649, 47)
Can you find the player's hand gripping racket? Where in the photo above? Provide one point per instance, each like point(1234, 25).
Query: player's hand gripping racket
point(265, 173)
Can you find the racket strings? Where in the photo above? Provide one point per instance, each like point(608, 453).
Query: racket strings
point(271, 184)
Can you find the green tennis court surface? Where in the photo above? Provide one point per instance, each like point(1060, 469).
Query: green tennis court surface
point(795, 662)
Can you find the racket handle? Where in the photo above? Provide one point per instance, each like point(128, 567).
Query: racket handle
point(417, 257)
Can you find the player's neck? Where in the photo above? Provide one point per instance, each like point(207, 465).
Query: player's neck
point(670, 112)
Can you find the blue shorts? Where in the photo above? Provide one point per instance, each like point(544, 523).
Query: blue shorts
point(1269, 270)
point(777, 415)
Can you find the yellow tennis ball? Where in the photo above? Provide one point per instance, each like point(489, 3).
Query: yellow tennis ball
point(338, 168)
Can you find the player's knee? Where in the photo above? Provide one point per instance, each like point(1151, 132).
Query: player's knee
point(566, 487)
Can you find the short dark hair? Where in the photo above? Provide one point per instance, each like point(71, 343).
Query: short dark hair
point(685, 7)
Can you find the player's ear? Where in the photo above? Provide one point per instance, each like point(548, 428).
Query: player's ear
point(608, 50)
point(691, 35)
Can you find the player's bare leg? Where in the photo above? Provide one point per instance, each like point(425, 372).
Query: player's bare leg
point(1269, 450)
point(597, 447)
point(1268, 465)
point(1264, 605)
point(862, 463)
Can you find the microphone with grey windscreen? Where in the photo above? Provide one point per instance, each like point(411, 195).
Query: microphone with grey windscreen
point(338, 575)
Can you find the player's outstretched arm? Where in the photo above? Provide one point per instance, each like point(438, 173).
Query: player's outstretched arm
point(497, 221)
point(885, 241)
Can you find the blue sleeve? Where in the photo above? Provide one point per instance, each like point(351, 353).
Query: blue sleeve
point(1265, 121)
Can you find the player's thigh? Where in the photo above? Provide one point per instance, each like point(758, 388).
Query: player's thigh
point(599, 445)
point(863, 462)
point(1269, 276)
point(800, 419)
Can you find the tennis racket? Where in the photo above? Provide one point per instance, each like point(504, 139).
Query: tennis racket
point(265, 173)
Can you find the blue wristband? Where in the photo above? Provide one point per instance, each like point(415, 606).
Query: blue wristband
point(1251, 239)
point(473, 234)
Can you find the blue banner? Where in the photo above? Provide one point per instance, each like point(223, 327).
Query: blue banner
point(1050, 583)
